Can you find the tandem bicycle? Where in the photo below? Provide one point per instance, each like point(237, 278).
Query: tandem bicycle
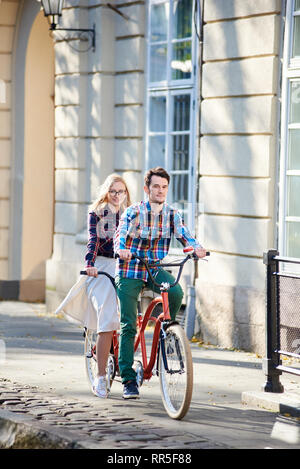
point(169, 355)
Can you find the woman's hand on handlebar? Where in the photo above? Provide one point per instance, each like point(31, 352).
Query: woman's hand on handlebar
point(92, 271)
point(125, 254)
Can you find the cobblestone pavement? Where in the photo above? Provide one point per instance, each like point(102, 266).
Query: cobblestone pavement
point(54, 422)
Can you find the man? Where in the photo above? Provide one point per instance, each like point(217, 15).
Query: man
point(145, 229)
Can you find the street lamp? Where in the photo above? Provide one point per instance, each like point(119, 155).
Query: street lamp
point(53, 9)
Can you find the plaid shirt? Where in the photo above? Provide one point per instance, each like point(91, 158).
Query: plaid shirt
point(101, 230)
point(148, 235)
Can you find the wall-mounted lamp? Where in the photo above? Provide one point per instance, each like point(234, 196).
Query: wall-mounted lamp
point(53, 9)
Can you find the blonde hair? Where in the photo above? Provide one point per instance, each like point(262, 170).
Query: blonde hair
point(102, 197)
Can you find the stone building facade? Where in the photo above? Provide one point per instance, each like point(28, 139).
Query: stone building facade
point(206, 88)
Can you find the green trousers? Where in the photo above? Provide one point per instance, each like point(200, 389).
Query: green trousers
point(128, 290)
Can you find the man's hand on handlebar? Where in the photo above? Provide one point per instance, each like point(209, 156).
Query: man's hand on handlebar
point(125, 254)
point(200, 252)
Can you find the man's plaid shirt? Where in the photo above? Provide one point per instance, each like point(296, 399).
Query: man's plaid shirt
point(148, 235)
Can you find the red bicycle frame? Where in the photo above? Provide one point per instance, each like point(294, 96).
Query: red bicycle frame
point(142, 323)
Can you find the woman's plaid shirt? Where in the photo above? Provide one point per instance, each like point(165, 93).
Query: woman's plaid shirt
point(101, 230)
point(148, 235)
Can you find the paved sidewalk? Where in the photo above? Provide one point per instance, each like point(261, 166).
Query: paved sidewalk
point(45, 400)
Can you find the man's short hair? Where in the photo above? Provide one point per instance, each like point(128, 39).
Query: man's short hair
point(158, 171)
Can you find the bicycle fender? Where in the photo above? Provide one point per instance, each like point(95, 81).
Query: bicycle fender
point(163, 351)
point(168, 324)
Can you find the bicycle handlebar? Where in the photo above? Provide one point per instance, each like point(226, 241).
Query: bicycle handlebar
point(156, 265)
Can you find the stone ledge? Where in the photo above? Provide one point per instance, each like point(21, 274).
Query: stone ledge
point(23, 432)
point(275, 402)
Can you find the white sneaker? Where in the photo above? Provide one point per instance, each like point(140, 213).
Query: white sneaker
point(99, 386)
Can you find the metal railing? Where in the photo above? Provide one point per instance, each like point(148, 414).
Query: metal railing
point(282, 318)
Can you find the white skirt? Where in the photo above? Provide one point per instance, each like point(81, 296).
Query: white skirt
point(92, 301)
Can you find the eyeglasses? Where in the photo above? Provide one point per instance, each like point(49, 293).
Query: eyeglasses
point(114, 193)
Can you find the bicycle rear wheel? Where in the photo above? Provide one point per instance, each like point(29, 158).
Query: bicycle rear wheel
point(90, 355)
point(111, 370)
point(176, 372)
point(91, 360)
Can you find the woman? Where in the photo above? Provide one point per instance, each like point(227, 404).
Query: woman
point(98, 299)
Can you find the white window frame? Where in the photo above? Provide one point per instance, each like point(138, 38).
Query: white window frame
point(170, 88)
point(290, 73)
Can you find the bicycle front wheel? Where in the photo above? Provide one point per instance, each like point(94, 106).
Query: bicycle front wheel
point(176, 372)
